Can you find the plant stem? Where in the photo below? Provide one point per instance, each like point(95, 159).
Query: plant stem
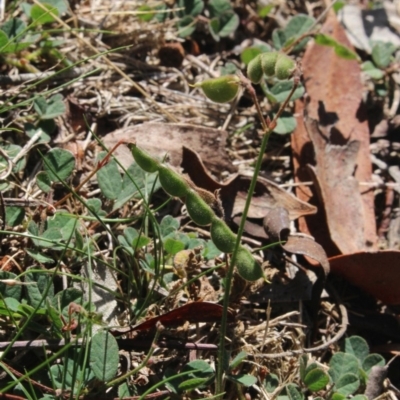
point(268, 128)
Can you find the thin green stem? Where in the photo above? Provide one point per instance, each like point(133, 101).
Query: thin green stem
point(268, 128)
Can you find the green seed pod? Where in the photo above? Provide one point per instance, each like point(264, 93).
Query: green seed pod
point(284, 67)
point(200, 212)
point(222, 236)
point(173, 183)
point(247, 267)
point(143, 159)
point(268, 61)
point(254, 70)
point(222, 89)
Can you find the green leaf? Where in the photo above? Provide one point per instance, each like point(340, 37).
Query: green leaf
point(296, 26)
point(371, 360)
point(271, 383)
point(341, 364)
point(141, 241)
point(14, 215)
point(264, 11)
point(109, 179)
point(186, 26)
point(64, 223)
point(345, 52)
point(45, 128)
point(135, 179)
point(55, 318)
point(12, 305)
point(228, 24)
point(302, 366)
point(359, 397)
point(162, 16)
point(146, 16)
point(3, 40)
point(338, 6)
point(228, 69)
point(169, 225)
point(248, 54)
point(218, 8)
point(369, 68)
point(223, 20)
point(190, 7)
point(285, 124)
point(40, 16)
point(53, 237)
point(104, 356)
point(61, 5)
point(325, 40)
point(338, 396)
point(173, 246)
point(210, 251)
point(64, 298)
point(316, 379)
point(382, 53)
point(43, 287)
point(94, 207)
point(293, 392)
point(357, 346)
point(64, 376)
point(51, 108)
point(237, 360)
point(192, 384)
point(13, 27)
point(200, 368)
point(40, 257)
point(7, 290)
point(243, 379)
point(347, 384)
point(125, 390)
point(11, 150)
point(59, 164)
point(281, 91)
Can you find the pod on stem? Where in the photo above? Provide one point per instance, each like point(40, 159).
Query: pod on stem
point(222, 89)
point(199, 211)
point(143, 159)
point(173, 183)
point(247, 267)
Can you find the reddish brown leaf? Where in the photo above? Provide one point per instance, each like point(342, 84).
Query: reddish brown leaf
point(377, 273)
point(335, 89)
point(337, 187)
point(201, 311)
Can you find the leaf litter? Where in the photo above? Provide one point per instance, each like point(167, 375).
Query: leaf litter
point(111, 103)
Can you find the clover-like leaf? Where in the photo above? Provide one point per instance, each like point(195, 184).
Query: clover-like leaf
point(59, 164)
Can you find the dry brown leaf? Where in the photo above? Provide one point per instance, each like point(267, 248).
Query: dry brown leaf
point(267, 195)
point(335, 89)
point(307, 246)
point(337, 187)
point(160, 139)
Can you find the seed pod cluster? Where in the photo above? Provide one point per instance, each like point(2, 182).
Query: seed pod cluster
point(272, 63)
point(201, 212)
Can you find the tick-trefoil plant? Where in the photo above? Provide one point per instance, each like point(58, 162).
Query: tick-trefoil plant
point(204, 207)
